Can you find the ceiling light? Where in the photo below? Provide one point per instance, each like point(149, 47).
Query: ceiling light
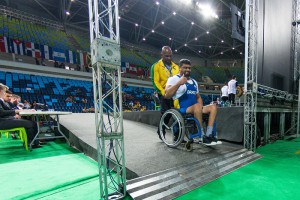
point(67, 13)
point(192, 23)
point(185, 44)
point(174, 13)
point(241, 53)
point(207, 32)
point(232, 47)
point(170, 38)
point(136, 25)
point(144, 39)
point(222, 41)
point(206, 10)
point(175, 50)
point(196, 38)
point(222, 53)
point(119, 17)
point(152, 31)
point(199, 51)
point(162, 22)
point(209, 46)
point(157, 3)
point(72, 0)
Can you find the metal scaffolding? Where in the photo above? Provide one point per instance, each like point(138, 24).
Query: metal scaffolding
point(106, 62)
point(250, 86)
point(295, 45)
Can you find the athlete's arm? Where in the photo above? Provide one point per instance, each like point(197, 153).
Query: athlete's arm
point(171, 89)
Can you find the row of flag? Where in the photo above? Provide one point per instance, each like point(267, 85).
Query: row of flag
point(41, 51)
point(134, 69)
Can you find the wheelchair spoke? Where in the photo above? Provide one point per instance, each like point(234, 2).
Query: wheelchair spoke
point(167, 127)
point(174, 124)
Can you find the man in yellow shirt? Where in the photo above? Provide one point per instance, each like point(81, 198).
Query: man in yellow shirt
point(160, 72)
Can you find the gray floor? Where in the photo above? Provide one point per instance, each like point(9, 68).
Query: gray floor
point(144, 152)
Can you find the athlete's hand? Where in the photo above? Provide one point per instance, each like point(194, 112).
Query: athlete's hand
point(182, 80)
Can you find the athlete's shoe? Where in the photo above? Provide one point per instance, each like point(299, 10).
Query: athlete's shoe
point(215, 140)
point(207, 141)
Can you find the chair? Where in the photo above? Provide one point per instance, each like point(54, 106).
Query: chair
point(22, 134)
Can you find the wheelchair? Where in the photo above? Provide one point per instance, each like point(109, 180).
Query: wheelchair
point(175, 126)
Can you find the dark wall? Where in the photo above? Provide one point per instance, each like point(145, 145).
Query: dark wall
point(274, 41)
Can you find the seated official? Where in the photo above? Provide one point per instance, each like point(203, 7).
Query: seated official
point(185, 89)
point(10, 118)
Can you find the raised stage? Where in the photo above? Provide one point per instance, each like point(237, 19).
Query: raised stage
point(151, 165)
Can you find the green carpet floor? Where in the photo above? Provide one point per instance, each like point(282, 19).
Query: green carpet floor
point(275, 176)
point(56, 171)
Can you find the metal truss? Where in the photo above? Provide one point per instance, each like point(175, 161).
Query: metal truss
point(250, 86)
point(106, 62)
point(295, 45)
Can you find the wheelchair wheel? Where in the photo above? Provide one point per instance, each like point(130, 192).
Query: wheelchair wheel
point(172, 128)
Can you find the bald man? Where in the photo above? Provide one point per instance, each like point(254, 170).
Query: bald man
point(160, 72)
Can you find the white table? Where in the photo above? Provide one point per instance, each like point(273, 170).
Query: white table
point(36, 116)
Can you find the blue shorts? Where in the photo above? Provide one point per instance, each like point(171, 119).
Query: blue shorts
point(183, 110)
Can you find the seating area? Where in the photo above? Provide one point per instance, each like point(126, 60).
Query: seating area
point(23, 30)
point(239, 72)
point(49, 90)
point(217, 74)
point(54, 92)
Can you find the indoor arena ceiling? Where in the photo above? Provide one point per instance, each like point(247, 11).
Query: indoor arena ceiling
point(176, 23)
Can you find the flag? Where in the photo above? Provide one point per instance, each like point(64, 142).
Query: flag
point(17, 47)
point(46, 52)
point(4, 44)
point(32, 50)
point(140, 71)
point(70, 57)
point(132, 69)
point(83, 59)
point(59, 55)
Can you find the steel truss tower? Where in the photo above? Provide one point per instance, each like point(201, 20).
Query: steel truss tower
point(106, 65)
point(250, 86)
point(295, 45)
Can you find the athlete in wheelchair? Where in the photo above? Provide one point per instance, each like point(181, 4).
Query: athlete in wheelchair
point(187, 120)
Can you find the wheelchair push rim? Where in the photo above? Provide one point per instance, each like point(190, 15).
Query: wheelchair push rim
point(174, 130)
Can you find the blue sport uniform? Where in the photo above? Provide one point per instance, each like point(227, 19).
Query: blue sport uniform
point(189, 97)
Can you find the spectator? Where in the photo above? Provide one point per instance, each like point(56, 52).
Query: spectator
point(37, 62)
point(27, 105)
point(91, 109)
point(69, 99)
point(232, 85)
point(87, 69)
point(43, 62)
point(78, 68)
point(56, 64)
point(224, 92)
point(85, 110)
point(62, 65)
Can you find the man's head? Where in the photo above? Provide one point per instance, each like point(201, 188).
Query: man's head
point(3, 89)
point(185, 67)
point(7, 96)
point(15, 99)
point(233, 77)
point(166, 55)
